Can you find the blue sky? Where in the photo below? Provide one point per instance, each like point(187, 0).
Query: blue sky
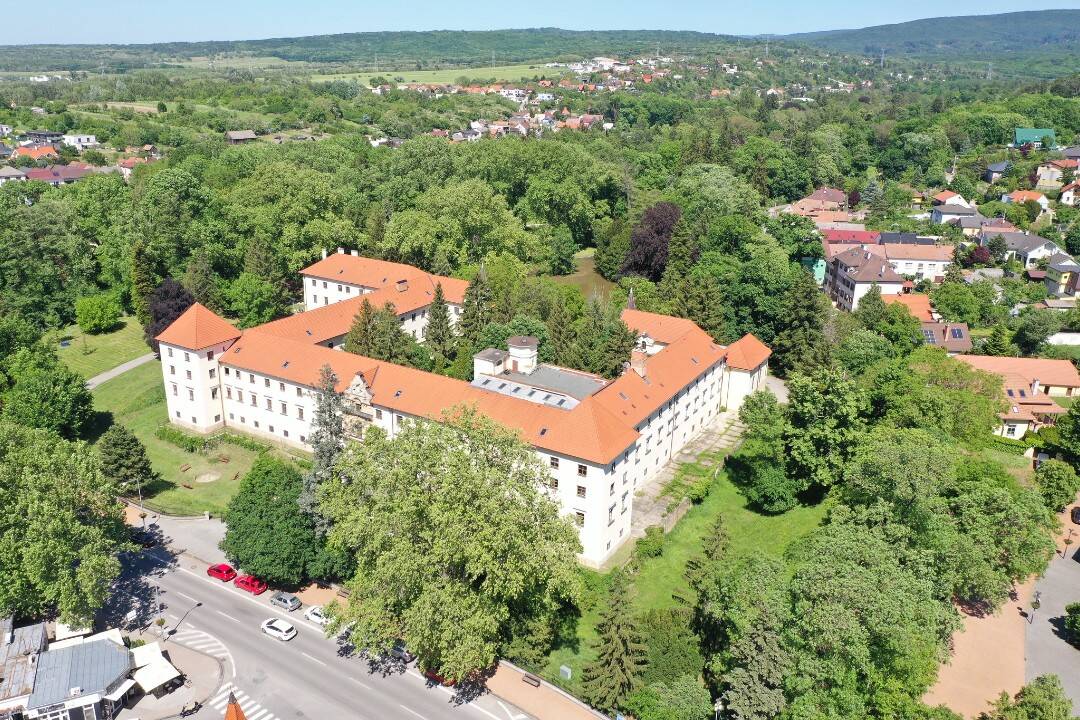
point(138, 21)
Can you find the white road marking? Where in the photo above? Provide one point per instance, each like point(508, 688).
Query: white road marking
point(257, 715)
point(314, 660)
point(491, 715)
point(181, 594)
point(512, 716)
point(227, 615)
point(361, 684)
point(250, 598)
point(413, 712)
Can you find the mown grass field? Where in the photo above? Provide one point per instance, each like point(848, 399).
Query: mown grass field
point(660, 581)
point(90, 355)
point(505, 73)
point(137, 399)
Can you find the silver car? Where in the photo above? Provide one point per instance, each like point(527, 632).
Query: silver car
point(285, 601)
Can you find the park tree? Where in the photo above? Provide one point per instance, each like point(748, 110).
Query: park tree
point(438, 334)
point(1041, 699)
point(560, 333)
point(998, 342)
point(825, 421)
point(144, 281)
point(166, 303)
point(1069, 431)
point(1033, 330)
point(620, 653)
point(1058, 484)
point(46, 394)
point(61, 528)
point(650, 240)
point(123, 459)
point(801, 343)
point(254, 300)
point(476, 310)
point(97, 313)
point(265, 531)
point(681, 698)
point(200, 281)
point(327, 440)
point(454, 542)
point(612, 245)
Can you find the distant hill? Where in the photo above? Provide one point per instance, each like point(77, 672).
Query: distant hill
point(977, 37)
point(394, 49)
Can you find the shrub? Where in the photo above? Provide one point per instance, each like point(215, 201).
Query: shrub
point(652, 545)
point(185, 441)
point(673, 648)
point(1057, 483)
point(1072, 622)
point(242, 441)
point(97, 313)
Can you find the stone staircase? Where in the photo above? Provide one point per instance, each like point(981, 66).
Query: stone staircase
point(720, 438)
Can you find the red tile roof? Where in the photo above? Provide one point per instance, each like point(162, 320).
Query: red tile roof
point(747, 353)
point(197, 328)
point(917, 304)
point(1059, 373)
point(377, 274)
point(851, 236)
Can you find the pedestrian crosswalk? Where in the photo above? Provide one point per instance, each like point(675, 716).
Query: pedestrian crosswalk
point(202, 642)
point(252, 709)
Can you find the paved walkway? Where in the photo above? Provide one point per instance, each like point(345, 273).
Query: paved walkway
point(118, 370)
point(194, 536)
point(202, 675)
point(544, 701)
point(650, 506)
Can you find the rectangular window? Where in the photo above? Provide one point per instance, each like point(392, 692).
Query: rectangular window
point(254, 401)
point(228, 392)
point(175, 390)
point(194, 421)
point(190, 394)
point(553, 482)
point(348, 290)
point(210, 355)
point(281, 387)
point(300, 413)
point(226, 372)
point(213, 373)
point(581, 491)
point(243, 419)
point(582, 470)
point(177, 414)
point(284, 409)
point(256, 423)
point(378, 414)
point(217, 418)
point(187, 358)
point(188, 373)
point(240, 396)
point(299, 392)
point(251, 378)
point(285, 433)
point(579, 519)
point(554, 462)
point(324, 284)
point(231, 416)
point(611, 515)
point(303, 439)
point(170, 352)
point(213, 393)
point(269, 404)
point(611, 489)
point(266, 382)
point(271, 428)
point(339, 288)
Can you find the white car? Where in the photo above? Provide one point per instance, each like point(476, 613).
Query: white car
point(316, 615)
point(279, 629)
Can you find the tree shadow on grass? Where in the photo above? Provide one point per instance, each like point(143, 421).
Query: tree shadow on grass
point(101, 421)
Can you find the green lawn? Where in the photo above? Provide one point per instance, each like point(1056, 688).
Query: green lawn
point(660, 580)
point(89, 355)
point(137, 399)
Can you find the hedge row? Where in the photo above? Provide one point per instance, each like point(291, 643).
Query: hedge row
point(185, 441)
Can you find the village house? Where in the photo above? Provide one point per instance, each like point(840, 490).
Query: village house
point(601, 439)
point(239, 137)
point(1070, 194)
point(80, 142)
point(1052, 172)
point(44, 137)
point(1019, 197)
point(996, 171)
point(35, 152)
point(1034, 137)
point(1026, 248)
point(1030, 386)
point(853, 272)
point(10, 174)
point(1061, 275)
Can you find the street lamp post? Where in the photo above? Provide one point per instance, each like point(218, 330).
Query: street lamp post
point(181, 621)
point(1035, 605)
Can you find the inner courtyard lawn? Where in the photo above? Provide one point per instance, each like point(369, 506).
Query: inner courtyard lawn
point(137, 399)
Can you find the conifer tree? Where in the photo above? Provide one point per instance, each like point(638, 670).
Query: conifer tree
point(872, 311)
point(327, 440)
point(561, 335)
point(614, 350)
point(377, 334)
point(143, 282)
point(620, 652)
point(476, 313)
point(589, 336)
point(358, 338)
point(438, 335)
point(801, 344)
point(998, 342)
point(124, 460)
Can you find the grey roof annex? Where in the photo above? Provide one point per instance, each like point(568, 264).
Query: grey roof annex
point(576, 384)
point(92, 667)
point(1017, 241)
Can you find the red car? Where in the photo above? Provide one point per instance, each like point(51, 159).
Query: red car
point(221, 571)
point(438, 679)
point(252, 584)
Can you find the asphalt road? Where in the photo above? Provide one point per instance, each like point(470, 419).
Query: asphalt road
point(306, 677)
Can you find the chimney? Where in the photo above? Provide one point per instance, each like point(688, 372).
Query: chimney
point(402, 285)
point(354, 253)
point(637, 361)
point(1035, 386)
point(341, 251)
point(324, 253)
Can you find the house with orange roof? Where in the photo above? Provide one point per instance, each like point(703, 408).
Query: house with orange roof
point(1020, 197)
point(600, 439)
point(36, 152)
point(1029, 385)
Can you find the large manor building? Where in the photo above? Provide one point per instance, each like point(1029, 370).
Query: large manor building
point(601, 439)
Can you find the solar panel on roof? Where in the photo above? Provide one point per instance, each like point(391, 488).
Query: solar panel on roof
point(958, 333)
point(931, 339)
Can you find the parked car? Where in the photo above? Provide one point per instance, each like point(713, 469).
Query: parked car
point(221, 571)
point(144, 539)
point(1074, 515)
point(401, 653)
point(252, 584)
point(316, 615)
point(277, 628)
point(438, 679)
point(285, 601)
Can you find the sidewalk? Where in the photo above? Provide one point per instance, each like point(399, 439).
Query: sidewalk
point(545, 702)
point(194, 536)
point(118, 370)
point(202, 673)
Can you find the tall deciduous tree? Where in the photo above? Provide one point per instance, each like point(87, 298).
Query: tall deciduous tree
point(266, 533)
point(167, 302)
point(453, 540)
point(143, 281)
point(60, 528)
point(620, 653)
point(650, 239)
point(47, 395)
point(1041, 699)
point(825, 420)
point(124, 460)
point(199, 280)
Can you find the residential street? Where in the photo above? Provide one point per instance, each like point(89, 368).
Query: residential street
point(309, 676)
point(1046, 648)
